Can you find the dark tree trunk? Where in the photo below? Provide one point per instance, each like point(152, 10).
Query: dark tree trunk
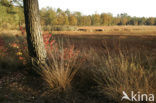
point(33, 28)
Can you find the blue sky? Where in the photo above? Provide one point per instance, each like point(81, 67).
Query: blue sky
point(139, 8)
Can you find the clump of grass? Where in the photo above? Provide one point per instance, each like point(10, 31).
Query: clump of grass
point(118, 73)
point(61, 67)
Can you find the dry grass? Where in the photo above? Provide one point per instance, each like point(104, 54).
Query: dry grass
point(119, 72)
point(61, 68)
point(106, 70)
point(107, 30)
point(112, 30)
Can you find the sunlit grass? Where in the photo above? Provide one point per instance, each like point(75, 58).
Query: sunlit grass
point(88, 67)
point(120, 72)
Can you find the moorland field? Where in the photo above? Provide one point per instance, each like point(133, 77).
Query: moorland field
point(88, 65)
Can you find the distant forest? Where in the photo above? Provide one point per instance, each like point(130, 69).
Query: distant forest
point(11, 16)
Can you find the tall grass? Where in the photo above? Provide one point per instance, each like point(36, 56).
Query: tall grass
point(61, 67)
point(111, 70)
point(119, 72)
point(92, 71)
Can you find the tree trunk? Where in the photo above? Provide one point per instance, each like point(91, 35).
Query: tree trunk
point(33, 28)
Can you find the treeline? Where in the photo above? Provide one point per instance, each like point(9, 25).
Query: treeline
point(59, 17)
point(11, 16)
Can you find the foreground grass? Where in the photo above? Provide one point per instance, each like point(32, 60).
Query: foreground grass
point(101, 69)
point(121, 72)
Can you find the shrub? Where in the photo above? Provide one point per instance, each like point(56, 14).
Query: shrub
point(13, 53)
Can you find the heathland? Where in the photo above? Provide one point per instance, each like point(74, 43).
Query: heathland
point(87, 65)
point(90, 58)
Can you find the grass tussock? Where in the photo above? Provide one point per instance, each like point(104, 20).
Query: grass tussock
point(61, 67)
point(119, 72)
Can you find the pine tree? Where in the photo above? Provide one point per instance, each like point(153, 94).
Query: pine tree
point(33, 28)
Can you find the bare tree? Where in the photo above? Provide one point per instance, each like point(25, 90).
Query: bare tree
point(33, 28)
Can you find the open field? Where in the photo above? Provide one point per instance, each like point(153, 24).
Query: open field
point(106, 63)
point(112, 30)
point(106, 30)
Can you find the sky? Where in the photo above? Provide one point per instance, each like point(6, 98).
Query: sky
point(139, 8)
